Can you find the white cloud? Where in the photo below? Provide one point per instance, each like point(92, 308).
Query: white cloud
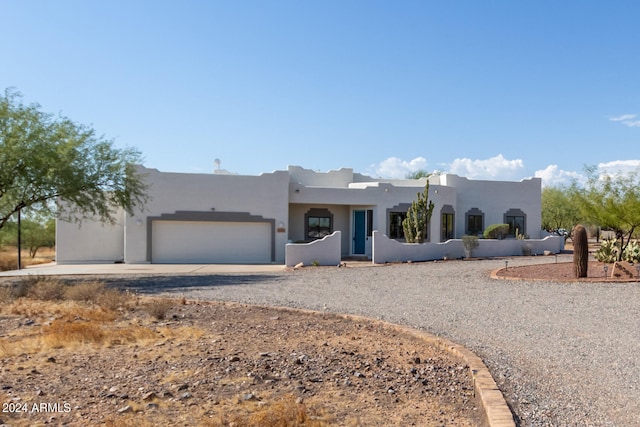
point(494, 168)
point(552, 176)
point(623, 118)
point(618, 167)
point(394, 167)
point(627, 120)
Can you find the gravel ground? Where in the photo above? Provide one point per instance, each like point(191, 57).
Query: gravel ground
point(563, 354)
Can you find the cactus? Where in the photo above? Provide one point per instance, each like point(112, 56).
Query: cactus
point(418, 216)
point(580, 251)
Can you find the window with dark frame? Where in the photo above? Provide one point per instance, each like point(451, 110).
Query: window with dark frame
point(474, 224)
point(447, 226)
point(396, 231)
point(318, 227)
point(516, 222)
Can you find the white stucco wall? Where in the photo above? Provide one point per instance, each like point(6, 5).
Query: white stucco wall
point(90, 241)
point(494, 199)
point(325, 251)
point(388, 250)
point(265, 195)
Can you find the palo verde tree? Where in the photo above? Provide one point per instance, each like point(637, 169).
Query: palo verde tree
point(558, 209)
point(44, 158)
point(611, 201)
point(418, 216)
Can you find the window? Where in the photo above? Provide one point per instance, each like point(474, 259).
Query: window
point(474, 222)
point(318, 223)
point(395, 225)
point(318, 227)
point(447, 226)
point(517, 220)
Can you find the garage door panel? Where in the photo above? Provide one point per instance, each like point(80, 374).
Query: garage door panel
point(186, 242)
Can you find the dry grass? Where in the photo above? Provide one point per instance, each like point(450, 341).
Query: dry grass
point(85, 292)
point(72, 316)
point(9, 257)
point(158, 308)
point(286, 412)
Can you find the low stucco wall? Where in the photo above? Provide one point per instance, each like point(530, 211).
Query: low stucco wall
point(325, 251)
point(389, 250)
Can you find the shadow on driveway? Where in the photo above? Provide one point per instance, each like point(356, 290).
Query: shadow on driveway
point(173, 283)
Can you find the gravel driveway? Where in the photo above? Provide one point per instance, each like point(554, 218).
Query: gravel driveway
point(564, 354)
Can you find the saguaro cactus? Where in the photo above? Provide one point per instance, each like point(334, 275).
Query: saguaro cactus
point(580, 251)
point(418, 216)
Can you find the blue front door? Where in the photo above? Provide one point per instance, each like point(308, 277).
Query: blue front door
point(359, 232)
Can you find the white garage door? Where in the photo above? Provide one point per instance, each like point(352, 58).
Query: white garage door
point(194, 242)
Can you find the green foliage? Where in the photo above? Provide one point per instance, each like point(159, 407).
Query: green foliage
point(45, 158)
point(521, 236)
point(470, 243)
point(611, 201)
point(580, 251)
point(418, 217)
point(610, 251)
point(496, 231)
point(421, 173)
point(559, 210)
point(632, 252)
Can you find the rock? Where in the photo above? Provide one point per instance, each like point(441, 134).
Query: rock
point(186, 395)
point(248, 397)
point(125, 409)
point(51, 359)
point(149, 396)
point(182, 387)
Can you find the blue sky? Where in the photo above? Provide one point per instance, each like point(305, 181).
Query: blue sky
point(484, 89)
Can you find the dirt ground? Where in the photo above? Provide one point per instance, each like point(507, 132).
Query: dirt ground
point(564, 272)
point(229, 365)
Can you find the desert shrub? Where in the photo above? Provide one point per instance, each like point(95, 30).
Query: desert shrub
point(7, 295)
point(496, 231)
point(85, 292)
point(470, 243)
point(158, 308)
point(46, 289)
point(113, 299)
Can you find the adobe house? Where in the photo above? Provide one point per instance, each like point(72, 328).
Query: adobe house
point(224, 218)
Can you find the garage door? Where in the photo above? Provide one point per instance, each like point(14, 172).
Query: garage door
point(210, 242)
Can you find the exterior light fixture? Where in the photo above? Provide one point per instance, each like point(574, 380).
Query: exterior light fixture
point(605, 268)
